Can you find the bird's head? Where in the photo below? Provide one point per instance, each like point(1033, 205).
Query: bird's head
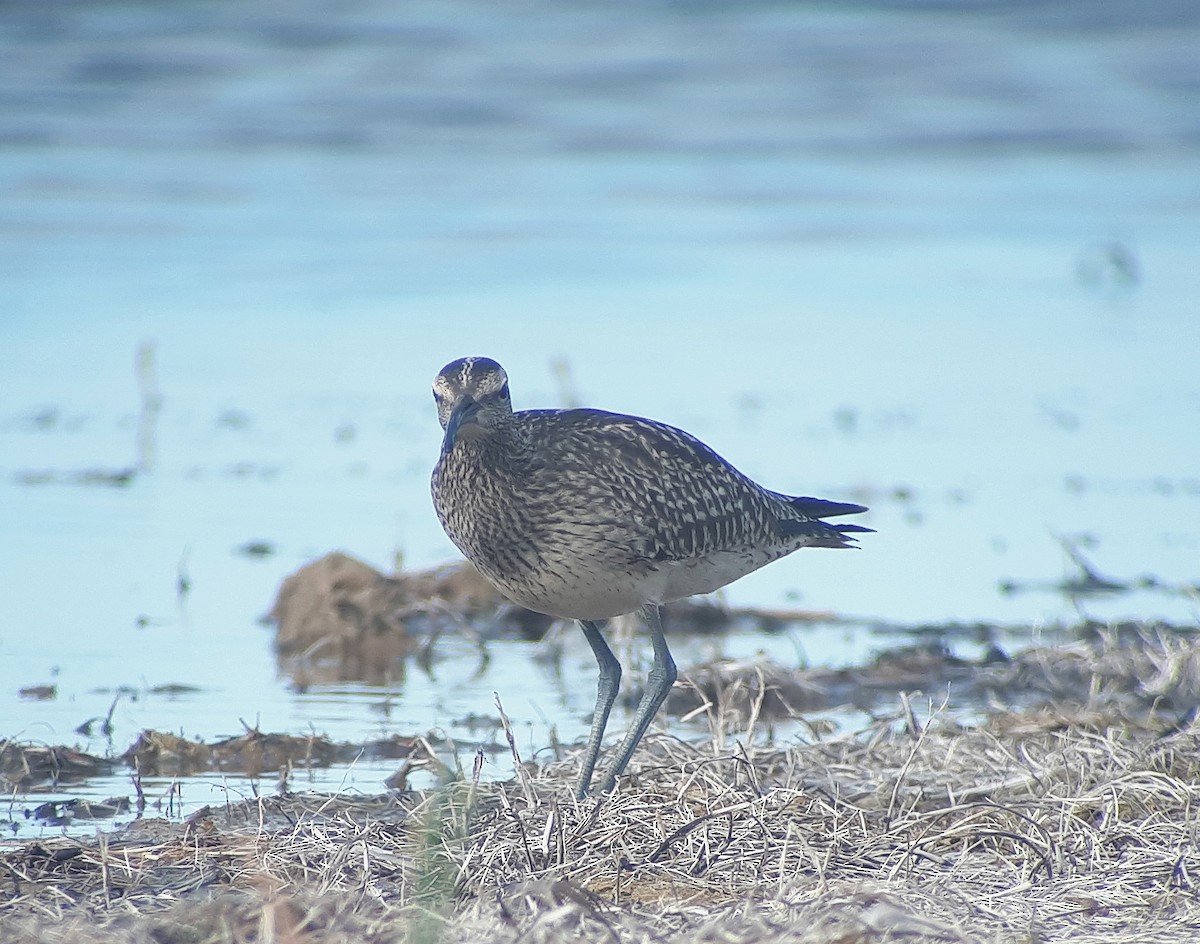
point(472, 399)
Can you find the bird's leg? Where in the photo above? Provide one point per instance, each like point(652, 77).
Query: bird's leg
point(606, 693)
point(658, 685)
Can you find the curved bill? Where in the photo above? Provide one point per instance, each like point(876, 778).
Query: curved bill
point(463, 413)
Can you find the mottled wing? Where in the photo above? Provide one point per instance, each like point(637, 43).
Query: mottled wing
point(678, 499)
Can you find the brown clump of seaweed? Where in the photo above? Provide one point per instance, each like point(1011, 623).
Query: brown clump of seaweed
point(161, 754)
point(917, 828)
point(339, 619)
point(342, 609)
point(24, 767)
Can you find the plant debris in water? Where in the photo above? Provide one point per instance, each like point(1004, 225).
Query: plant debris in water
point(161, 754)
point(1069, 819)
point(1086, 581)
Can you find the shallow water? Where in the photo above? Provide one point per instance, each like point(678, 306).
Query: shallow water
point(942, 261)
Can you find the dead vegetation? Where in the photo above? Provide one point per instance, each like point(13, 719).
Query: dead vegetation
point(339, 619)
point(1073, 818)
point(26, 766)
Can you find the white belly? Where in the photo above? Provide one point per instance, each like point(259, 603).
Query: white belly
point(601, 594)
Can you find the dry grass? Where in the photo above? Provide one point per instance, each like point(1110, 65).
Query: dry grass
point(1072, 821)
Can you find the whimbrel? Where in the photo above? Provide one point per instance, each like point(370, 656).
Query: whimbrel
point(586, 515)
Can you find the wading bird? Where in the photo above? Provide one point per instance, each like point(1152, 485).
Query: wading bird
point(586, 515)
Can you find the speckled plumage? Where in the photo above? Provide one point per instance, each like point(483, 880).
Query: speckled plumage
point(585, 514)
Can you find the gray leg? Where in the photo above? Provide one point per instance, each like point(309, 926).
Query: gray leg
point(606, 693)
point(658, 685)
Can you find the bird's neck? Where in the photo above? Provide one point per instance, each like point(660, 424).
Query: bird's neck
point(498, 449)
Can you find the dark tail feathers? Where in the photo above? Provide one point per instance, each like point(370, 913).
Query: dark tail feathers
point(822, 534)
point(823, 508)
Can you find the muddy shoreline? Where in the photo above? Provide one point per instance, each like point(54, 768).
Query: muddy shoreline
point(1046, 793)
point(1065, 812)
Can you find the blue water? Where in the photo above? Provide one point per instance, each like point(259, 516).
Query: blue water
point(939, 258)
